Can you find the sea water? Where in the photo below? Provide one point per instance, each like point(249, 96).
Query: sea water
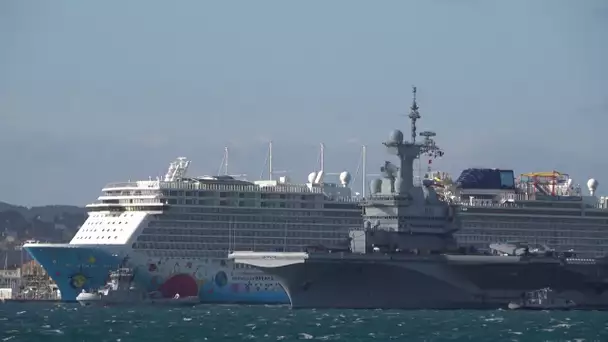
point(216, 323)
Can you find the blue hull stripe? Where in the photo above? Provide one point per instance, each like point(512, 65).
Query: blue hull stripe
point(76, 268)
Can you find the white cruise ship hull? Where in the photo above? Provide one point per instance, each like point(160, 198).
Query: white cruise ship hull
point(86, 267)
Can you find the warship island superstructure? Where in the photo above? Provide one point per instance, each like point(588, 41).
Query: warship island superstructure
point(405, 255)
point(175, 233)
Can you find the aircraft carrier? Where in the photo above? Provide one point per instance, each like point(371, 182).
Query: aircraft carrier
point(405, 255)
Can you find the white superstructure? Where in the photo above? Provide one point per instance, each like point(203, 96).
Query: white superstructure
point(180, 224)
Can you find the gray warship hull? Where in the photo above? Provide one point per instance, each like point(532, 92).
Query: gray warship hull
point(434, 282)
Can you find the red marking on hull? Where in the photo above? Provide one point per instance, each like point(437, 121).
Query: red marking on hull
point(183, 284)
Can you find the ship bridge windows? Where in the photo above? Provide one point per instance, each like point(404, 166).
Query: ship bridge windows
point(208, 202)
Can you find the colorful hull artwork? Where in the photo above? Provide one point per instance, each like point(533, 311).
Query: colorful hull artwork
point(74, 268)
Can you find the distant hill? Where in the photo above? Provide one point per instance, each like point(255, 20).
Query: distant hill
point(52, 223)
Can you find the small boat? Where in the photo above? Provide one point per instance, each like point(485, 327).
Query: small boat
point(118, 290)
point(87, 298)
point(156, 298)
point(543, 299)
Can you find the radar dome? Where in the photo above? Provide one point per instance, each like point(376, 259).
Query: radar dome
point(376, 185)
point(345, 178)
point(311, 177)
point(592, 186)
point(396, 136)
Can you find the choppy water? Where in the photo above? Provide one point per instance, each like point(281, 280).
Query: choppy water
point(68, 322)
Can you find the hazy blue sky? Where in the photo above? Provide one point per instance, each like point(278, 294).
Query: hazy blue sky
point(100, 91)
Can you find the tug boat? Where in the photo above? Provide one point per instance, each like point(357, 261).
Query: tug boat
point(120, 290)
point(543, 299)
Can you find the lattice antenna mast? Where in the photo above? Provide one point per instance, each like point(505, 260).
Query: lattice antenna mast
point(177, 169)
point(428, 143)
point(414, 114)
point(430, 147)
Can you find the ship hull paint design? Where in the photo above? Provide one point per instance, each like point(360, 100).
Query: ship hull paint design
point(74, 268)
point(333, 282)
point(84, 267)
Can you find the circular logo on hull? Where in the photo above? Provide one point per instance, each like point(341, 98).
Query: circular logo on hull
point(221, 279)
point(78, 281)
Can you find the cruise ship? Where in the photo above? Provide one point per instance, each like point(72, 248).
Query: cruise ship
point(176, 233)
point(541, 208)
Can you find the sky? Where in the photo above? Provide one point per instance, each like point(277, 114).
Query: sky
point(93, 92)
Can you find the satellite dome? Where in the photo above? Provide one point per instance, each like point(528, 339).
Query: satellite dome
point(592, 186)
point(345, 178)
point(396, 136)
point(311, 177)
point(376, 185)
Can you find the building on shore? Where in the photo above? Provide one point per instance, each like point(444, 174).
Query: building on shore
point(36, 283)
point(28, 282)
point(10, 283)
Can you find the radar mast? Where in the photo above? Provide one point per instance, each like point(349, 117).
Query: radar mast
point(414, 114)
point(402, 177)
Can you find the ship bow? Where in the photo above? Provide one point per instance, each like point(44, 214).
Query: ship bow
point(74, 268)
